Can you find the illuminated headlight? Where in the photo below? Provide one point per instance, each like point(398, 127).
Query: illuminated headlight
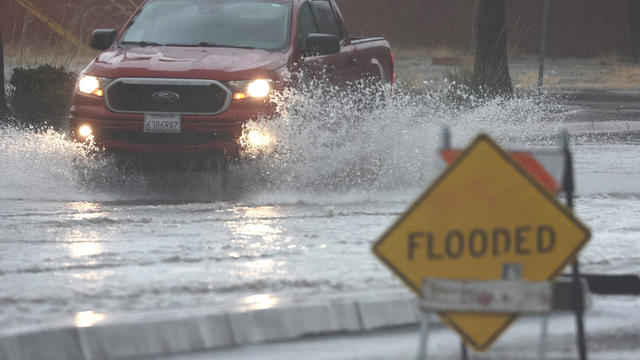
point(85, 131)
point(92, 85)
point(256, 89)
point(258, 139)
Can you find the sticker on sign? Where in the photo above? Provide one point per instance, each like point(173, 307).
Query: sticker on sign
point(497, 296)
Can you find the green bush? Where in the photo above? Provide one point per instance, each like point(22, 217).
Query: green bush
point(41, 96)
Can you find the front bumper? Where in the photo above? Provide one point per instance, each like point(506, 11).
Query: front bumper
point(123, 132)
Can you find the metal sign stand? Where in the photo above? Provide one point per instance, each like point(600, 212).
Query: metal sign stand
point(577, 293)
point(463, 351)
point(568, 186)
point(423, 342)
point(542, 345)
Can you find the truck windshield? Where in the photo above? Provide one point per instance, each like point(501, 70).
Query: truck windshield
point(215, 23)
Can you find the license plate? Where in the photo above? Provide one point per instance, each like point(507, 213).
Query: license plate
point(162, 123)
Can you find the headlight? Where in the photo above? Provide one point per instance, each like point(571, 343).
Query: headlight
point(258, 139)
point(256, 89)
point(85, 131)
point(92, 85)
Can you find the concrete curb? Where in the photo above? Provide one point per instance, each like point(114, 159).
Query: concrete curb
point(591, 127)
point(257, 319)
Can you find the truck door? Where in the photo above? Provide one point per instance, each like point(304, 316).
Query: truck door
point(318, 16)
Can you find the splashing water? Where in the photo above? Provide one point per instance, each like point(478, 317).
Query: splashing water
point(324, 142)
point(41, 164)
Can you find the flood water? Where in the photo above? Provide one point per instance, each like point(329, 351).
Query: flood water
point(77, 233)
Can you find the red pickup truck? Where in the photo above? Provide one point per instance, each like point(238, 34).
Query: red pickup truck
point(184, 75)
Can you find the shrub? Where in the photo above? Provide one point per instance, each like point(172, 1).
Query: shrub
point(41, 96)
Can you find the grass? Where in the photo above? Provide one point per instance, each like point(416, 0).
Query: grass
point(60, 55)
point(419, 51)
point(598, 73)
point(415, 69)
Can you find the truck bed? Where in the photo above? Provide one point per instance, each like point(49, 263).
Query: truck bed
point(362, 39)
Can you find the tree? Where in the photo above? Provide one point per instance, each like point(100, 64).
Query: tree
point(3, 97)
point(491, 68)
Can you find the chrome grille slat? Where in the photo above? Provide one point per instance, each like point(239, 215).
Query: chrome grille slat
point(135, 95)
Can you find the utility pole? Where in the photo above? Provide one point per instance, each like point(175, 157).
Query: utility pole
point(543, 41)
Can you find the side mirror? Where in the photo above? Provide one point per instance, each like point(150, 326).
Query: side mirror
point(322, 44)
point(101, 39)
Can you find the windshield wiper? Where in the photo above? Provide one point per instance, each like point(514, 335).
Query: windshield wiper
point(141, 43)
point(183, 45)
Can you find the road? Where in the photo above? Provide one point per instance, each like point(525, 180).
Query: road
point(76, 234)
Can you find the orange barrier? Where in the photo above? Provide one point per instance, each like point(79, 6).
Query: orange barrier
point(532, 162)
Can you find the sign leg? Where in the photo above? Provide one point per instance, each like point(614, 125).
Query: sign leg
point(464, 351)
point(423, 342)
point(579, 308)
point(578, 300)
point(542, 346)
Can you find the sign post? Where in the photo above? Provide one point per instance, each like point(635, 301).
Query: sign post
point(484, 219)
point(568, 187)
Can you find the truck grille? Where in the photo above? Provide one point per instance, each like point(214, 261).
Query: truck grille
point(168, 95)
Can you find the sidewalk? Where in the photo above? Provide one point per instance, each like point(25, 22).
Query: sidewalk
point(353, 326)
point(612, 335)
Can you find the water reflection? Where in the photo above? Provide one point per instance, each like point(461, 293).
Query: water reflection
point(258, 223)
point(88, 318)
point(258, 235)
point(85, 210)
point(264, 301)
point(81, 241)
point(258, 212)
point(258, 269)
point(93, 275)
point(266, 231)
point(80, 249)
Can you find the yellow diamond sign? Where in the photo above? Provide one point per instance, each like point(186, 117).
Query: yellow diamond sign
point(483, 215)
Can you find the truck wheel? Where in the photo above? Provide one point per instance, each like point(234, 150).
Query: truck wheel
point(374, 93)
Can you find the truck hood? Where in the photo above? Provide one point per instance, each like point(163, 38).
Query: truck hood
point(182, 62)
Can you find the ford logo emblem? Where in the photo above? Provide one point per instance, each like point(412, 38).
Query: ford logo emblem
point(165, 97)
